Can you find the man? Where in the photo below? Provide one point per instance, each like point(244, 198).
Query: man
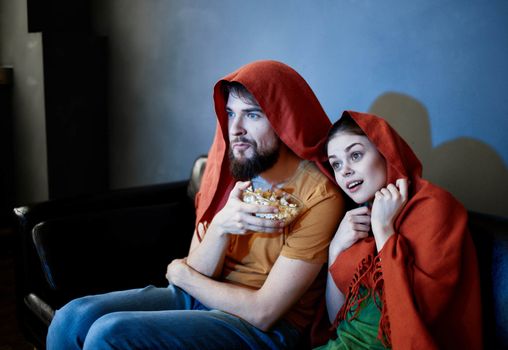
point(249, 282)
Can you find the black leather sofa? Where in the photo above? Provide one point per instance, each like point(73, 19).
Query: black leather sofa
point(125, 239)
point(117, 240)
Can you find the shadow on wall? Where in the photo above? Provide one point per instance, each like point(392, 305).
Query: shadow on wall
point(470, 169)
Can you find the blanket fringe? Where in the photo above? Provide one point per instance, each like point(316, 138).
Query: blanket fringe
point(368, 274)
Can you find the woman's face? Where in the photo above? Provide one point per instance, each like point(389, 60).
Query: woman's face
point(360, 170)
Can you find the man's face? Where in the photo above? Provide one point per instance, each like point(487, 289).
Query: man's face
point(253, 144)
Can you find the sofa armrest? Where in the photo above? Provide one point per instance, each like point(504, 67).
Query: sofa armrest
point(91, 244)
point(115, 249)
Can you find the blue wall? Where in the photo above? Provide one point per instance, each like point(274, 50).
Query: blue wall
point(436, 69)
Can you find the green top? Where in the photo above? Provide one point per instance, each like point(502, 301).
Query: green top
point(362, 331)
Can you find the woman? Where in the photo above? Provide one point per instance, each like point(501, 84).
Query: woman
point(402, 266)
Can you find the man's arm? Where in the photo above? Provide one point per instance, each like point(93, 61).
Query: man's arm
point(285, 285)
point(207, 256)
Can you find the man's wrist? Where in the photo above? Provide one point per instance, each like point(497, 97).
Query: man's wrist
point(217, 231)
point(184, 275)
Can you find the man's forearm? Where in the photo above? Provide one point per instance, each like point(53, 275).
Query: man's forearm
point(207, 257)
point(237, 300)
point(287, 282)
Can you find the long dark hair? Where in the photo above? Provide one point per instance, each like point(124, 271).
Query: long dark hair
point(345, 124)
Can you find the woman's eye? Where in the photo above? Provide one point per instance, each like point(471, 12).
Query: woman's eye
point(356, 156)
point(336, 165)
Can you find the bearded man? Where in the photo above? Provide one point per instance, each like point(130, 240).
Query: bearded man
point(249, 282)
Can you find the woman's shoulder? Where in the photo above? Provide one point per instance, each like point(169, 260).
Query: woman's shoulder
point(428, 193)
point(434, 206)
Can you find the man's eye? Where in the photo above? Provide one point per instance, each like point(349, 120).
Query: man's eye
point(253, 116)
point(356, 156)
point(230, 114)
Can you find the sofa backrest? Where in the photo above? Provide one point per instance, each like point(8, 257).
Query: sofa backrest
point(198, 168)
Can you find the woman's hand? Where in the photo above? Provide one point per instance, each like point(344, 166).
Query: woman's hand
point(354, 226)
point(388, 202)
point(238, 217)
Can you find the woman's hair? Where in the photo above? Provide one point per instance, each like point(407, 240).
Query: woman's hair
point(236, 89)
point(347, 125)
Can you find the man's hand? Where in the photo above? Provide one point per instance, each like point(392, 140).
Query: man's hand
point(177, 270)
point(238, 217)
point(388, 202)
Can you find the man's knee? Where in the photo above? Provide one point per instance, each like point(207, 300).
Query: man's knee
point(69, 325)
point(128, 330)
point(106, 331)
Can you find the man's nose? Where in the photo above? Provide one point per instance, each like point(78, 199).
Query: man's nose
point(236, 126)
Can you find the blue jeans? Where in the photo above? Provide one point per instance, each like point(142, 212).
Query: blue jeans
point(158, 318)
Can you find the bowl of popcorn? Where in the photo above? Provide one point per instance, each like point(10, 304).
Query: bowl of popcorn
point(288, 205)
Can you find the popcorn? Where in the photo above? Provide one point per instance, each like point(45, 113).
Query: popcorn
point(289, 206)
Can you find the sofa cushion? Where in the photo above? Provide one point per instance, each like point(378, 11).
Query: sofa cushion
point(490, 235)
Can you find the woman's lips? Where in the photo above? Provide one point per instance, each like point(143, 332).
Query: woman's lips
point(354, 189)
point(354, 186)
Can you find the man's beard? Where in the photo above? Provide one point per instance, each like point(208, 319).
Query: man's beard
point(248, 168)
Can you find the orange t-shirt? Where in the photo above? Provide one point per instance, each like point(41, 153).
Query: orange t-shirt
point(250, 258)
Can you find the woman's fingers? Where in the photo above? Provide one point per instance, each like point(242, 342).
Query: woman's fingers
point(360, 215)
point(362, 234)
point(359, 219)
point(359, 211)
point(361, 227)
point(354, 226)
point(394, 192)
